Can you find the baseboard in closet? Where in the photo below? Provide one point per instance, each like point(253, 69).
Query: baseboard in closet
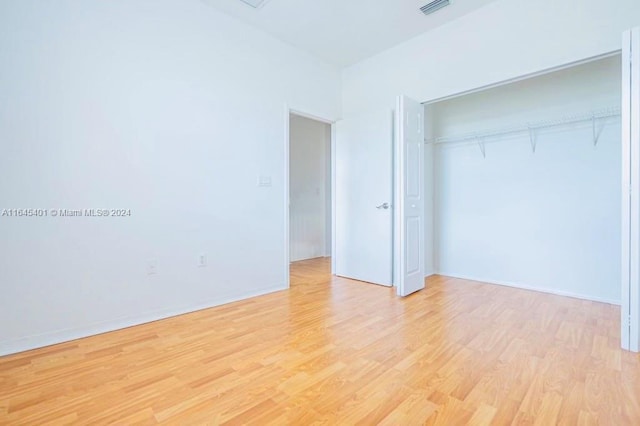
point(530, 287)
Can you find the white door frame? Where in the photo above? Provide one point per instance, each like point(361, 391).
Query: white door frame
point(630, 262)
point(287, 249)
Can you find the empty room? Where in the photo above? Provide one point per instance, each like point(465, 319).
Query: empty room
point(294, 212)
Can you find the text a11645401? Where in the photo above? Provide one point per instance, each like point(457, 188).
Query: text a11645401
point(64, 212)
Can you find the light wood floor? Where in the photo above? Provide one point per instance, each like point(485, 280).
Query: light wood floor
point(336, 351)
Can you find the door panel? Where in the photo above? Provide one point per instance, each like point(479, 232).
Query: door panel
point(409, 244)
point(413, 157)
point(630, 303)
point(413, 245)
point(363, 184)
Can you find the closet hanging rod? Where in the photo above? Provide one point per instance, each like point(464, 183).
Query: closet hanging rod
point(528, 127)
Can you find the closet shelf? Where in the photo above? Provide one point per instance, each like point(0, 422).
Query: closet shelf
point(532, 127)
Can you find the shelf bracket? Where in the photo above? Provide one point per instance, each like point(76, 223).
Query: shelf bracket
point(481, 146)
point(532, 139)
point(596, 132)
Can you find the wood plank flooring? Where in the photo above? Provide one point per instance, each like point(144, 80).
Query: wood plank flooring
point(335, 351)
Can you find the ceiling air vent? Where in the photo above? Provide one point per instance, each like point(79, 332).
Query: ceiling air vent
point(255, 3)
point(434, 5)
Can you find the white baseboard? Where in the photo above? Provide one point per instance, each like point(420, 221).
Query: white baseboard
point(36, 341)
point(533, 288)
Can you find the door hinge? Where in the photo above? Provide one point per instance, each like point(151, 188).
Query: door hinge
point(627, 322)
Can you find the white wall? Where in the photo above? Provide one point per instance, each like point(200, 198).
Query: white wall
point(165, 107)
point(548, 220)
point(309, 183)
point(503, 40)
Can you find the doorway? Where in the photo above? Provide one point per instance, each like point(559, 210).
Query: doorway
point(309, 188)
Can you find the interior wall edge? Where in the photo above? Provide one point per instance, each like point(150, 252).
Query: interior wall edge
point(526, 76)
point(23, 344)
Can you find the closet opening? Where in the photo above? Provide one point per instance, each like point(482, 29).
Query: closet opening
point(525, 183)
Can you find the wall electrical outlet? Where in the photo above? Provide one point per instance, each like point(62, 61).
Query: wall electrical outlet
point(264, 181)
point(202, 260)
point(152, 267)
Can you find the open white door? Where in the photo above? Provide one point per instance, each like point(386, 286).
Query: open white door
point(630, 300)
point(363, 195)
point(409, 241)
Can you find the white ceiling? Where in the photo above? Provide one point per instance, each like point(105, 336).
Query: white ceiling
point(343, 32)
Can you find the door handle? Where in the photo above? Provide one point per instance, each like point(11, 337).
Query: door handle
point(383, 206)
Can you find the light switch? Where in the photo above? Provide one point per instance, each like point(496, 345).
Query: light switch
point(152, 266)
